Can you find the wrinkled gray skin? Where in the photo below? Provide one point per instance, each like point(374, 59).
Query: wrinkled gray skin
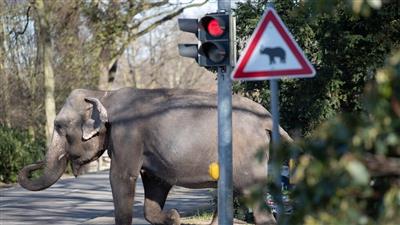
point(169, 136)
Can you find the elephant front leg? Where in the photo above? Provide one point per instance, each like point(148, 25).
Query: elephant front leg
point(123, 190)
point(155, 193)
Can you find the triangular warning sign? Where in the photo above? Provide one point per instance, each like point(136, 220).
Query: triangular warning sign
point(272, 53)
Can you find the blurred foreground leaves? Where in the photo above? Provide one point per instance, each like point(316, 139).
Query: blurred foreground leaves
point(348, 171)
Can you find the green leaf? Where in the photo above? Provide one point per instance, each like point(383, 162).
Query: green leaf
point(358, 171)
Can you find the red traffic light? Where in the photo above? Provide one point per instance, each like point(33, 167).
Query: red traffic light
point(214, 34)
point(214, 28)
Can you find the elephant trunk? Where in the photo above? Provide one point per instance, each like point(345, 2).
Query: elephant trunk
point(54, 167)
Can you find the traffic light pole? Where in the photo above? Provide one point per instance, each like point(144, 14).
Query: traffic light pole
point(225, 188)
point(225, 184)
point(224, 5)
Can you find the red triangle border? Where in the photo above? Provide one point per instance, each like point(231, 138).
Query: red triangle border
point(270, 16)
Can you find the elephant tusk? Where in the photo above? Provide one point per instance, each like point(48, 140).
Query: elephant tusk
point(61, 156)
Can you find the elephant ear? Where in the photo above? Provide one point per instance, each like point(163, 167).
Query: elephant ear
point(97, 117)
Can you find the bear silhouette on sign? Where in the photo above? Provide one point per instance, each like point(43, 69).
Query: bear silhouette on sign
point(274, 52)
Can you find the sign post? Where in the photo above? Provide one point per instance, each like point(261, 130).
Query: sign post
point(272, 54)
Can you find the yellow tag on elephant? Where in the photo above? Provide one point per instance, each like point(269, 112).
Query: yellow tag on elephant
point(213, 170)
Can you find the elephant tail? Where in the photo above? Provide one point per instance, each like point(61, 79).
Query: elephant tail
point(285, 136)
point(282, 133)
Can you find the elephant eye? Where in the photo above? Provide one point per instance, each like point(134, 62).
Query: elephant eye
point(68, 137)
point(59, 128)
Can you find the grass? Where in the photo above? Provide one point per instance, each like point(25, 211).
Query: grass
point(200, 217)
point(205, 217)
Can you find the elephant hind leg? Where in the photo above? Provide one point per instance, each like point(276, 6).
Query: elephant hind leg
point(155, 193)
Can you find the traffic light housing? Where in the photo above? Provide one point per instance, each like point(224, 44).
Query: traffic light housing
point(189, 50)
point(216, 35)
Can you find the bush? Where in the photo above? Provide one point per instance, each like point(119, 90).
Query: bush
point(17, 149)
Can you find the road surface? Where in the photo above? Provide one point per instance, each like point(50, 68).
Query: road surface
point(85, 200)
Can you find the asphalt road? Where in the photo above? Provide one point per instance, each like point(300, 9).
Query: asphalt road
point(85, 200)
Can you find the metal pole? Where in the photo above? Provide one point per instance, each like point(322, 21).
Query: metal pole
point(225, 189)
point(276, 166)
point(224, 5)
point(275, 112)
point(225, 184)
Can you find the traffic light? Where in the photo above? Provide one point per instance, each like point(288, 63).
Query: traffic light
point(215, 32)
point(215, 37)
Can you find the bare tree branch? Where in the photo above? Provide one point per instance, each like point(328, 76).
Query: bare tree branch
point(168, 17)
point(133, 35)
point(149, 5)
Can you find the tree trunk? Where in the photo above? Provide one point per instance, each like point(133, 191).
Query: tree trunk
point(50, 105)
point(4, 74)
point(44, 43)
point(103, 77)
point(134, 71)
point(108, 67)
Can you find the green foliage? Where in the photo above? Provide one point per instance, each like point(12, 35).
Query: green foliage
point(17, 149)
point(349, 172)
point(345, 48)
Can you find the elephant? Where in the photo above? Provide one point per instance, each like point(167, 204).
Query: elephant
point(167, 136)
point(274, 52)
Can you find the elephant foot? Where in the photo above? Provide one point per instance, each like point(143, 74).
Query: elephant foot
point(173, 217)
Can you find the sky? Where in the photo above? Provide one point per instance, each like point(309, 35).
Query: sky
point(210, 6)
